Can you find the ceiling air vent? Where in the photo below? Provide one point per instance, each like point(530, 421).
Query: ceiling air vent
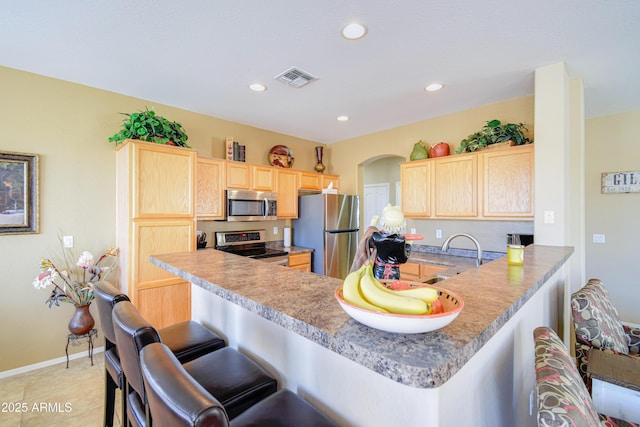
point(295, 77)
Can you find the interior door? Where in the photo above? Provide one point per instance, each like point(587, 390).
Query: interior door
point(376, 197)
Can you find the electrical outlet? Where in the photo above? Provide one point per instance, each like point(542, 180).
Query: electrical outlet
point(67, 241)
point(275, 230)
point(549, 217)
point(598, 238)
point(438, 234)
point(413, 231)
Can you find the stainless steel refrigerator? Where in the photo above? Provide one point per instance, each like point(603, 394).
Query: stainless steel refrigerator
point(329, 224)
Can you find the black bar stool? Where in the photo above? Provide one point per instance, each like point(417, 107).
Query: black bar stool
point(176, 399)
point(233, 378)
point(187, 340)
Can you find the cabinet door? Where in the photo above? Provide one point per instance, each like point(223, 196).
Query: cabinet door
point(508, 182)
point(331, 179)
point(309, 181)
point(152, 237)
point(300, 261)
point(210, 179)
point(409, 270)
point(163, 183)
point(264, 178)
point(163, 306)
point(416, 200)
point(455, 186)
point(287, 188)
point(238, 175)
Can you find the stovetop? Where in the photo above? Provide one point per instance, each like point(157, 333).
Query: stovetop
point(246, 243)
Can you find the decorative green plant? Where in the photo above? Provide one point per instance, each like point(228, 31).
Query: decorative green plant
point(147, 126)
point(492, 133)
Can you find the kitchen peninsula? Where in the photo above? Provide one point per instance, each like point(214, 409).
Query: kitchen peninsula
point(476, 371)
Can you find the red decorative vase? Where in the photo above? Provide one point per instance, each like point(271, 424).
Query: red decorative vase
point(82, 321)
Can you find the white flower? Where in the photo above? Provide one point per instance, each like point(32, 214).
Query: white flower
point(85, 260)
point(44, 279)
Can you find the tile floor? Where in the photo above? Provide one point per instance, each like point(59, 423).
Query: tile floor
point(56, 397)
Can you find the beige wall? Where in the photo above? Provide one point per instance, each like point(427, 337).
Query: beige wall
point(68, 126)
point(613, 146)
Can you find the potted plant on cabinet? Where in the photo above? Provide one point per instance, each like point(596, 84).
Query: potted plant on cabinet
point(148, 126)
point(494, 132)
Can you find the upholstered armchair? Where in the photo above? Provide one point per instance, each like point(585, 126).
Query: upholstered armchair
point(598, 325)
point(563, 399)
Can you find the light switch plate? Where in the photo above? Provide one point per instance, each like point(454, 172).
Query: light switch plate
point(438, 234)
point(275, 230)
point(598, 238)
point(549, 217)
point(67, 241)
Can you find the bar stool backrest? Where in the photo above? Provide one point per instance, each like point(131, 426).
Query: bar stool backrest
point(107, 296)
point(132, 333)
point(175, 398)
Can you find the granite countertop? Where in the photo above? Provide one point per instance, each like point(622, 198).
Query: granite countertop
point(292, 250)
point(304, 303)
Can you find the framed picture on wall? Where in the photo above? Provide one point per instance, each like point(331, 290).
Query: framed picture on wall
point(19, 193)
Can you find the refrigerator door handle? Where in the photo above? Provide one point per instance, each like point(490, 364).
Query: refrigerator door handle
point(350, 230)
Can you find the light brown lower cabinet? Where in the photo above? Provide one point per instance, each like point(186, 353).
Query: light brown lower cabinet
point(300, 261)
point(413, 270)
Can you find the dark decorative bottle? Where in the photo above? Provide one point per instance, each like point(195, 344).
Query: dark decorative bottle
point(319, 166)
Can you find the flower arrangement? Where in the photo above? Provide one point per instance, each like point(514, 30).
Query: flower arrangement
point(74, 285)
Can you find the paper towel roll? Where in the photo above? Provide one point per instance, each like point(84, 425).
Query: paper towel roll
point(287, 237)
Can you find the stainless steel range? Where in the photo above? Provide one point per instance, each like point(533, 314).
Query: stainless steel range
point(251, 244)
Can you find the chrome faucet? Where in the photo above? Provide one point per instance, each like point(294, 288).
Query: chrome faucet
point(445, 245)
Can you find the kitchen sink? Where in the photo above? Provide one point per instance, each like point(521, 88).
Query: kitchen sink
point(431, 280)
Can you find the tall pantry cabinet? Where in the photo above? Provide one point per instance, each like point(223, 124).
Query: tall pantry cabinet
point(155, 210)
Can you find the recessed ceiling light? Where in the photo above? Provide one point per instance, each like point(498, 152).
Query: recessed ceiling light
point(354, 31)
point(433, 87)
point(342, 118)
point(257, 87)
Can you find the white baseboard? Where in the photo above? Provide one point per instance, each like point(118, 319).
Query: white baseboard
point(63, 359)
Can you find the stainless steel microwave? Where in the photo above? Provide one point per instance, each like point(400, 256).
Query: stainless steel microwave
point(243, 205)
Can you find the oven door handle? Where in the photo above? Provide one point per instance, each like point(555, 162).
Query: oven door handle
point(284, 262)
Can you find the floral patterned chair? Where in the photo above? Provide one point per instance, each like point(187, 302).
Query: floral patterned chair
point(597, 325)
point(563, 398)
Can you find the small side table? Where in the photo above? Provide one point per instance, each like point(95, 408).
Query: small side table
point(615, 385)
point(89, 336)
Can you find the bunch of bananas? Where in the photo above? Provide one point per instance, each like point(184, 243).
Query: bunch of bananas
point(362, 289)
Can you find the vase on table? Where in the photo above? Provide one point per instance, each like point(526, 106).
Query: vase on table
point(319, 153)
point(82, 321)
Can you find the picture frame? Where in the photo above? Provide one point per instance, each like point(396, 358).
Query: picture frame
point(19, 193)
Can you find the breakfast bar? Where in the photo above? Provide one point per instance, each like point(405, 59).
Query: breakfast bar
point(290, 322)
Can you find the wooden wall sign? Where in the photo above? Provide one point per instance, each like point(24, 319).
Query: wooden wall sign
point(620, 182)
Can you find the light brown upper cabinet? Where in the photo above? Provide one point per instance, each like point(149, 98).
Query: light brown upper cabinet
point(245, 176)
point(238, 175)
point(210, 182)
point(455, 186)
point(331, 179)
point(492, 185)
point(287, 188)
point(416, 189)
point(264, 178)
point(508, 182)
point(309, 181)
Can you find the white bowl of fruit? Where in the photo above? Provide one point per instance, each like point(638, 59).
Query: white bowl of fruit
point(397, 306)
